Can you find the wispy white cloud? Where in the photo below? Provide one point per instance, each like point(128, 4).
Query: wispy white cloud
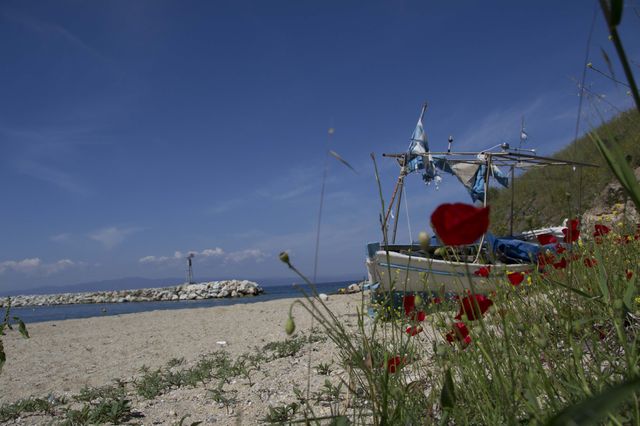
point(256, 255)
point(60, 238)
point(112, 236)
point(216, 252)
point(34, 265)
point(51, 29)
point(239, 256)
point(53, 176)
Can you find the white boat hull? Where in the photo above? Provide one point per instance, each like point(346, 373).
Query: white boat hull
point(400, 272)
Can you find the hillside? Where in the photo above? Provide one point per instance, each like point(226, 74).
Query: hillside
point(545, 196)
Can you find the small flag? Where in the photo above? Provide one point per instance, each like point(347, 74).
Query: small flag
point(523, 135)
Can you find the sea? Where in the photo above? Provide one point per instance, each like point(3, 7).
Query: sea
point(33, 314)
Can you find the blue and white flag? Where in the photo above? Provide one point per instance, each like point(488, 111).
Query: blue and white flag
point(418, 145)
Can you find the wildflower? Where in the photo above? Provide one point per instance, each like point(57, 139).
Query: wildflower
point(470, 306)
point(590, 262)
point(601, 230)
point(629, 274)
point(413, 330)
point(459, 332)
point(572, 231)
point(529, 280)
point(637, 300)
point(459, 223)
point(546, 258)
point(515, 278)
point(483, 271)
point(545, 239)
point(560, 248)
point(395, 363)
point(409, 303)
point(561, 264)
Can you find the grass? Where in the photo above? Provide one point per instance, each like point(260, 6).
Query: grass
point(31, 406)
point(562, 337)
point(109, 410)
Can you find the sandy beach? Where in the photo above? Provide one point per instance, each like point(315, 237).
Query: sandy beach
point(62, 357)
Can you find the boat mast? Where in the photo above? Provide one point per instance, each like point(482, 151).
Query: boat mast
point(399, 188)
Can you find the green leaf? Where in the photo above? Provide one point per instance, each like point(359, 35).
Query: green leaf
point(342, 160)
point(609, 64)
point(620, 168)
point(591, 410)
point(576, 291)
point(629, 293)
point(22, 328)
point(615, 15)
point(448, 394)
point(602, 279)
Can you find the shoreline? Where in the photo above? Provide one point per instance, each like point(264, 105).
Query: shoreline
point(62, 357)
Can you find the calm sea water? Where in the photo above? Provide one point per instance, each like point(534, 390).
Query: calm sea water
point(62, 312)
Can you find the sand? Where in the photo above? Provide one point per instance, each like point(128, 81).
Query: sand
point(62, 357)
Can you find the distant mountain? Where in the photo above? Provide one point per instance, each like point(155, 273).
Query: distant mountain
point(126, 283)
point(130, 283)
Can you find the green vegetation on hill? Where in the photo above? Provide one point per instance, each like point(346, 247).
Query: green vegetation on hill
point(545, 196)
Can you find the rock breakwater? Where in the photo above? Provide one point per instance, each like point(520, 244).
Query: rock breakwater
point(199, 291)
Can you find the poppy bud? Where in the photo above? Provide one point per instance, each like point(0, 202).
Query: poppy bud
point(290, 326)
point(424, 240)
point(417, 300)
point(284, 257)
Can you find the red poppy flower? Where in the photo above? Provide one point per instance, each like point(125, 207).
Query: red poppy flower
point(629, 274)
point(572, 231)
point(590, 262)
point(470, 306)
point(436, 300)
point(420, 316)
point(395, 363)
point(483, 272)
point(625, 239)
point(459, 332)
point(515, 278)
point(545, 239)
point(413, 330)
point(458, 224)
point(560, 248)
point(409, 303)
point(600, 230)
point(545, 259)
point(560, 265)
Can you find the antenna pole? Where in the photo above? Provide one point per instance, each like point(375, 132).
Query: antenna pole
point(399, 187)
point(513, 184)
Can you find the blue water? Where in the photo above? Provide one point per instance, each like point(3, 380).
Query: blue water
point(33, 314)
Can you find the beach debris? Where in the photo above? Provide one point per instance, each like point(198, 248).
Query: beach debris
point(221, 343)
point(323, 296)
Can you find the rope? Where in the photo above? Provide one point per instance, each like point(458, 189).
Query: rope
point(406, 207)
point(584, 76)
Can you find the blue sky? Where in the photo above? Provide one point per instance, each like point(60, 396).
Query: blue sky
point(134, 132)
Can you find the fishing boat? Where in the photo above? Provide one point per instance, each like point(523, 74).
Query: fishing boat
point(428, 266)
